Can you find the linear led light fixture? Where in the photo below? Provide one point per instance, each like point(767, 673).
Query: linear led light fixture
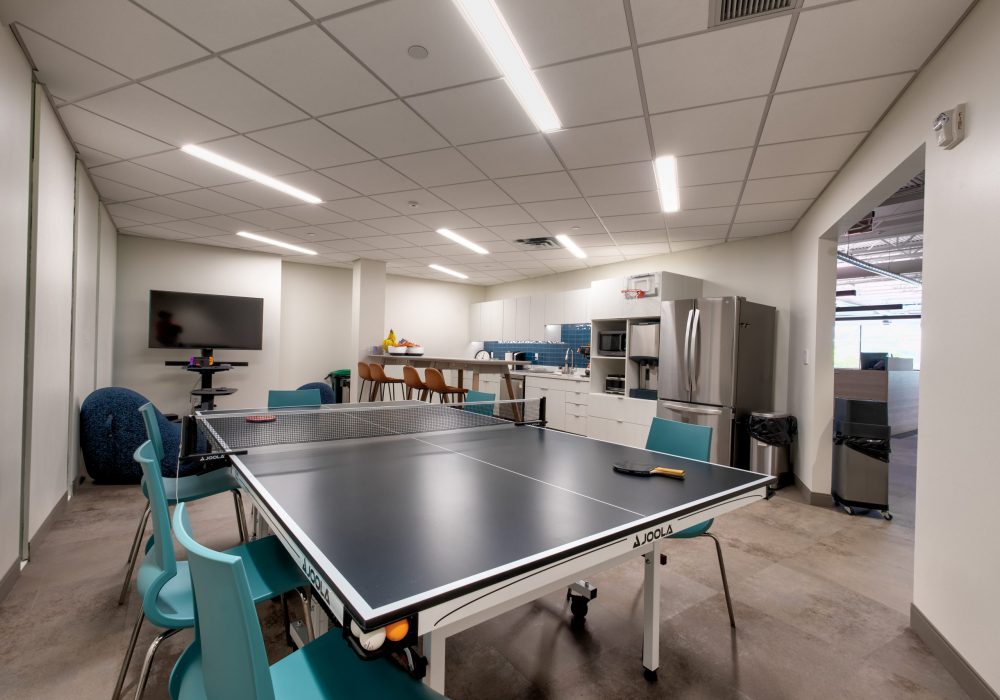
point(486, 20)
point(247, 172)
point(568, 243)
point(447, 271)
point(665, 170)
point(874, 269)
point(461, 240)
point(272, 241)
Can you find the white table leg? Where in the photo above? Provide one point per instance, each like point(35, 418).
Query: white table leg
point(651, 610)
point(432, 645)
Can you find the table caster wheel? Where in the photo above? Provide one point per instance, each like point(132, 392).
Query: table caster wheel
point(578, 606)
point(887, 515)
point(649, 675)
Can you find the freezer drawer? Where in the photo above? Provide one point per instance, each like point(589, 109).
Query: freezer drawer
point(718, 418)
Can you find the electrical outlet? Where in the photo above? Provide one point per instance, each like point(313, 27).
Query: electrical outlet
point(805, 356)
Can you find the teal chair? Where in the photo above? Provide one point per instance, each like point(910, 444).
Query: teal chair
point(165, 583)
point(227, 658)
point(692, 442)
point(296, 398)
point(179, 490)
point(480, 396)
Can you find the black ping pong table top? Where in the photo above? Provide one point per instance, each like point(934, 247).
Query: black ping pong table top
point(411, 520)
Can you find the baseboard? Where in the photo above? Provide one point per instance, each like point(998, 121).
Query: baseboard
point(50, 519)
point(967, 677)
point(9, 579)
point(813, 498)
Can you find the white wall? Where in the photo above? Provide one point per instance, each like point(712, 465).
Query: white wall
point(435, 314)
point(315, 323)
point(144, 264)
point(107, 275)
point(15, 164)
point(956, 560)
point(51, 326)
point(756, 268)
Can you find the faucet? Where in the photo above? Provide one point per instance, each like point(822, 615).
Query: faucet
point(565, 368)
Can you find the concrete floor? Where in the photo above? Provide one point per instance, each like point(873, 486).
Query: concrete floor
point(821, 598)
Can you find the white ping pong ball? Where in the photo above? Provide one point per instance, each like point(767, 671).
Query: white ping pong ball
point(370, 641)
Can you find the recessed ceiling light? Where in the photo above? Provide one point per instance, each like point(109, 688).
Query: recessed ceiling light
point(418, 52)
point(445, 270)
point(248, 172)
point(665, 170)
point(272, 241)
point(451, 235)
point(567, 243)
point(496, 37)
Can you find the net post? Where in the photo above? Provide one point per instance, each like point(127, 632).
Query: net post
point(541, 411)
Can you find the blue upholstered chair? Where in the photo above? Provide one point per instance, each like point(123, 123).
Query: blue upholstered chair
point(227, 658)
point(296, 398)
point(326, 393)
point(693, 442)
point(165, 583)
point(178, 489)
point(481, 397)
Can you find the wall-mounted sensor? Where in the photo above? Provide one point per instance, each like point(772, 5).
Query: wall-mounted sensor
point(950, 127)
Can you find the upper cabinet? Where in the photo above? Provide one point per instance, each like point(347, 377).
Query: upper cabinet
point(608, 301)
point(522, 318)
point(536, 317)
point(554, 308)
point(509, 331)
point(576, 306)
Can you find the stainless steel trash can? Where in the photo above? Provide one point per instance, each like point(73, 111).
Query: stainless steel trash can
point(767, 457)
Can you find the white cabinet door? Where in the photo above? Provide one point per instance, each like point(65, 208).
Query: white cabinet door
point(475, 323)
point(522, 319)
point(536, 317)
point(555, 404)
point(509, 313)
point(576, 424)
point(493, 320)
point(554, 308)
point(606, 300)
point(575, 306)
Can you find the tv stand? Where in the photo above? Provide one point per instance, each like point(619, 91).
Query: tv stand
point(207, 366)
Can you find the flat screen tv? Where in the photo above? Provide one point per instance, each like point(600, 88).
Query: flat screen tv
point(184, 320)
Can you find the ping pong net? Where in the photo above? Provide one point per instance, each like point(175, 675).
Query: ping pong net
point(252, 428)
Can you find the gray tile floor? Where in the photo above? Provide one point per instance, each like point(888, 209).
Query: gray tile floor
point(822, 604)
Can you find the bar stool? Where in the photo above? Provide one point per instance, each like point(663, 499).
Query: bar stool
point(366, 376)
point(411, 377)
point(380, 381)
point(437, 385)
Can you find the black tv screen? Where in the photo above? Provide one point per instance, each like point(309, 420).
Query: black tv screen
point(183, 320)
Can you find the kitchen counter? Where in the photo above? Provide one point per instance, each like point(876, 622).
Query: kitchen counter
point(550, 375)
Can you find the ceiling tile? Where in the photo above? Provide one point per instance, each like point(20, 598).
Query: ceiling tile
point(387, 129)
point(143, 178)
point(698, 233)
point(500, 216)
point(66, 74)
point(472, 194)
point(478, 112)
point(593, 90)
point(255, 193)
point(140, 108)
point(602, 144)
point(616, 179)
point(122, 36)
point(372, 177)
point(308, 68)
point(193, 228)
point(515, 231)
point(560, 209)
point(92, 157)
point(318, 185)
point(761, 228)
point(778, 189)
point(136, 214)
point(180, 165)
point(156, 232)
point(172, 208)
point(223, 223)
point(681, 246)
point(630, 237)
point(632, 203)
point(413, 202)
point(645, 249)
point(107, 136)
point(223, 23)
point(324, 8)
point(703, 129)
point(311, 214)
point(446, 166)
point(213, 201)
point(112, 191)
point(560, 30)
point(311, 144)
point(727, 64)
point(664, 19)
point(252, 154)
point(798, 157)
point(537, 188)
point(360, 208)
point(349, 245)
point(835, 109)
point(221, 92)
point(700, 217)
point(884, 36)
point(576, 227)
point(704, 196)
point(593, 240)
point(397, 225)
point(523, 155)
point(708, 168)
point(380, 34)
point(315, 235)
point(773, 211)
point(633, 222)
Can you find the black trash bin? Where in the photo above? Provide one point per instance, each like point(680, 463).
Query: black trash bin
point(861, 448)
point(341, 381)
point(771, 436)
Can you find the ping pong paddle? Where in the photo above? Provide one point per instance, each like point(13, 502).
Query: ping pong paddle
point(261, 418)
point(647, 470)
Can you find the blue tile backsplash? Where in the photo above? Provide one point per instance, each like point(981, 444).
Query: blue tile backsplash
point(571, 337)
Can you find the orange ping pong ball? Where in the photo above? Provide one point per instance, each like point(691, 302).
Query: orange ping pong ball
point(397, 630)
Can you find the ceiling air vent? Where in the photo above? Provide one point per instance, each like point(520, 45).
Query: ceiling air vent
point(726, 11)
point(537, 243)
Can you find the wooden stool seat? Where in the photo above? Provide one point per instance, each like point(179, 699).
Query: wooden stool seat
point(437, 385)
point(411, 377)
point(380, 380)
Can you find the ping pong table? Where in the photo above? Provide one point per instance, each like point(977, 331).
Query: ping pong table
point(448, 515)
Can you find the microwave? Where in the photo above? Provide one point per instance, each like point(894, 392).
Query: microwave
point(611, 343)
point(614, 384)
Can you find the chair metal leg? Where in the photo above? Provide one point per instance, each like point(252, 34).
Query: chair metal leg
point(128, 656)
point(725, 582)
point(143, 520)
point(307, 612)
point(241, 517)
point(136, 544)
point(147, 663)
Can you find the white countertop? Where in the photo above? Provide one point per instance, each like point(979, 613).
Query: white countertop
point(551, 375)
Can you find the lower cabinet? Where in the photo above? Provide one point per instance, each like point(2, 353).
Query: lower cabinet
point(620, 419)
point(565, 402)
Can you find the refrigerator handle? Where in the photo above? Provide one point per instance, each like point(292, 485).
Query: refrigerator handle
point(690, 408)
point(687, 352)
point(695, 352)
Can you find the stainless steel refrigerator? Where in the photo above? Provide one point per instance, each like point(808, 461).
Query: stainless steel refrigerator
point(716, 366)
